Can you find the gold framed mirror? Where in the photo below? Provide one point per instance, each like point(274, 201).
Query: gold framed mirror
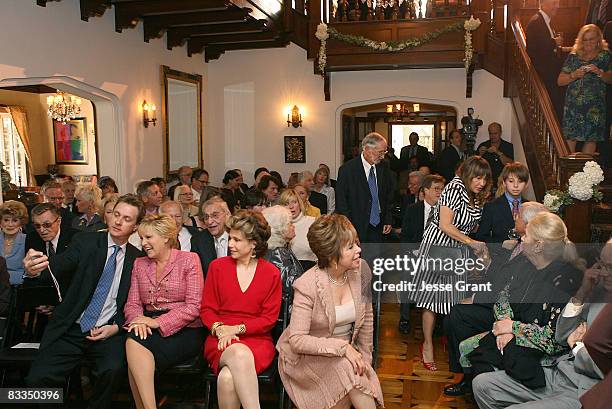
point(182, 119)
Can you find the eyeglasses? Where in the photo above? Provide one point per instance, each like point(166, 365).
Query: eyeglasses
point(215, 216)
point(45, 225)
point(380, 153)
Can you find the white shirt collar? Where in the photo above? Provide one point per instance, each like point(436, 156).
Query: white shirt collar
point(112, 243)
point(367, 166)
point(56, 239)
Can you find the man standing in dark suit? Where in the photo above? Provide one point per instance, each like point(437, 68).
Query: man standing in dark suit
point(496, 151)
point(212, 243)
point(364, 190)
point(412, 150)
point(451, 156)
point(50, 235)
point(89, 321)
point(414, 221)
point(542, 47)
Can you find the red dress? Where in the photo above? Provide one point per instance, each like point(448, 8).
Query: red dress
point(257, 308)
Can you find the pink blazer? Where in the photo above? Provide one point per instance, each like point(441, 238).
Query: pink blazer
point(179, 291)
point(313, 318)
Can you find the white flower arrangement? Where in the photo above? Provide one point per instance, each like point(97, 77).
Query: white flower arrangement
point(322, 35)
point(582, 186)
point(469, 26)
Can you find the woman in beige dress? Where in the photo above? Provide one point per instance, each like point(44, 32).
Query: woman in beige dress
point(325, 355)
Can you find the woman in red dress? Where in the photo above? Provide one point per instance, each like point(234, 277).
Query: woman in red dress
point(240, 306)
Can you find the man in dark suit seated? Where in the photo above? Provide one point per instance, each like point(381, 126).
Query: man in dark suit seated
point(543, 49)
point(51, 192)
point(364, 191)
point(496, 151)
point(449, 158)
point(498, 216)
point(414, 149)
point(50, 236)
point(414, 221)
point(415, 181)
point(89, 322)
point(212, 243)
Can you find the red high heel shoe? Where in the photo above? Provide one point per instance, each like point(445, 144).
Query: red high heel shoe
point(430, 366)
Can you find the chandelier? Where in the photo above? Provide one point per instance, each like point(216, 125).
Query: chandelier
point(63, 107)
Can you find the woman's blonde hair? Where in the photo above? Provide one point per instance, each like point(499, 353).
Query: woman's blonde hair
point(91, 192)
point(163, 225)
point(578, 47)
point(289, 194)
point(178, 190)
point(473, 167)
point(327, 237)
point(109, 198)
point(549, 229)
point(279, 220)
point(15, 209)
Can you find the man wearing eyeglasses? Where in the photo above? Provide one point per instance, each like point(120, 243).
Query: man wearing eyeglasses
point(199, 182)
point(212, 243)
point(364, 190)
point(50, 235)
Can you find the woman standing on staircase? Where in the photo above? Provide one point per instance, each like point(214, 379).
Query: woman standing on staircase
point(586, 72)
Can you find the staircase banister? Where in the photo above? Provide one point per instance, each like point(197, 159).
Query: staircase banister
point(542, 94)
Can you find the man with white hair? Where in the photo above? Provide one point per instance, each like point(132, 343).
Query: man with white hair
point(364, 190)
point(213, 242)
point(174, 210)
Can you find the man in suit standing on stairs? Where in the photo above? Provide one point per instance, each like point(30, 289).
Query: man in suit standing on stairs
point(89, 321)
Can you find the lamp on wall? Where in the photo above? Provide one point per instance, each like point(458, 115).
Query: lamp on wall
point(148, 114)
point(63, 107)
point(294, 118)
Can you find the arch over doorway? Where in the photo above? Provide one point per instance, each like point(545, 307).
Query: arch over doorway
point(109, 133)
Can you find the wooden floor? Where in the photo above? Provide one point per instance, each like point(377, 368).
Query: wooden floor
point(405, 382)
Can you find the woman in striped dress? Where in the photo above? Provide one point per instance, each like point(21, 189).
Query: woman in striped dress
point(456, 215)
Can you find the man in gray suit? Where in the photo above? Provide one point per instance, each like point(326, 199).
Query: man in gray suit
point(570, 375)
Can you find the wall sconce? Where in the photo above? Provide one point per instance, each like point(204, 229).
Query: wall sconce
point(295, 118)
point(149, 114)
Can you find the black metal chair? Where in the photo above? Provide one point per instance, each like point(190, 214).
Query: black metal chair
point(24, 325)
point(270, 375)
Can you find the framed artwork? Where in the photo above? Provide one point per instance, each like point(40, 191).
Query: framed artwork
point(70, 141)
point(295, 149)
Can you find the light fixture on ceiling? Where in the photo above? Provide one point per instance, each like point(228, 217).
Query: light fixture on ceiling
point(295, 118)
point(149, 114)
point(63, 107)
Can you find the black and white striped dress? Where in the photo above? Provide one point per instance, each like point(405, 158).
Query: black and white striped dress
point(466, 218)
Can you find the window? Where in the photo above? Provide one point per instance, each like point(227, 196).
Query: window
point(12, 152)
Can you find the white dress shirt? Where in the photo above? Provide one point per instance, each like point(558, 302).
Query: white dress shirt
point(109, 309)
point(184, 238)
point(428, 209)
point(366, 169)
point(221, 243)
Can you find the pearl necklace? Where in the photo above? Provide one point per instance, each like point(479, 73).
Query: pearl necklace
point(338, 283)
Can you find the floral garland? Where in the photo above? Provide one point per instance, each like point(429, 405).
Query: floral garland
point(582, 186)
point(324, 33)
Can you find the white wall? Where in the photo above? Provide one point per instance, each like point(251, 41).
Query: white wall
point(54, 41)
point(284, 77)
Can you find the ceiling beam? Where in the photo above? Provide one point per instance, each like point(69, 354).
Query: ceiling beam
point(128, 12)
point(196, 45)
point(155, 26)
point(93, 8)
point(43, 3)
point(178, 35)
point(214, 51)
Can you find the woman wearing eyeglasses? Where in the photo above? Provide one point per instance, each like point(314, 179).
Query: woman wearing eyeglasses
point(184, 196)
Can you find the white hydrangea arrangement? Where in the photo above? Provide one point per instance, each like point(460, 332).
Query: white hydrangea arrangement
point(582, 186)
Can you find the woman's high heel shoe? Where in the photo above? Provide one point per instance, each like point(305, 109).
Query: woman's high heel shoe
point(430, 366)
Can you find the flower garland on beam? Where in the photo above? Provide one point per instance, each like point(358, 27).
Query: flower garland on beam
point(324, 33)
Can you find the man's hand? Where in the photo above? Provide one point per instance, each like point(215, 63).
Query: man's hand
point(35, 262)
point(493, 149)
point(482, 150)
point(577, 335)
point(386, 229)
point(102, 333)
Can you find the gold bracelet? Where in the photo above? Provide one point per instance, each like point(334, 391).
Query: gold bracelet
point(213, 328)
point(241, 329)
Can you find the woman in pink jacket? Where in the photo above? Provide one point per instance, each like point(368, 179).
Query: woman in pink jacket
point(325, 356)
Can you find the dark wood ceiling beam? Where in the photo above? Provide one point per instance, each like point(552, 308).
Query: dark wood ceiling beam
point(127, 13)
point(214, 51)
point(178, 35)
point(155, 26)
point(196, 45)
point(43, 3)
point(93, 8)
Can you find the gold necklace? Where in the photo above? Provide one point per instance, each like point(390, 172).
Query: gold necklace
point(338, 283)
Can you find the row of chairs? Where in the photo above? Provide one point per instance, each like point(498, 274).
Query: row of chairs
point(23, 325)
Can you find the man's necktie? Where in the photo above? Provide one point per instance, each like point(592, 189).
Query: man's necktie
point(220, 247)
point(50, 250)
point(515, 209)
point(94, 309)
point(375, 209)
